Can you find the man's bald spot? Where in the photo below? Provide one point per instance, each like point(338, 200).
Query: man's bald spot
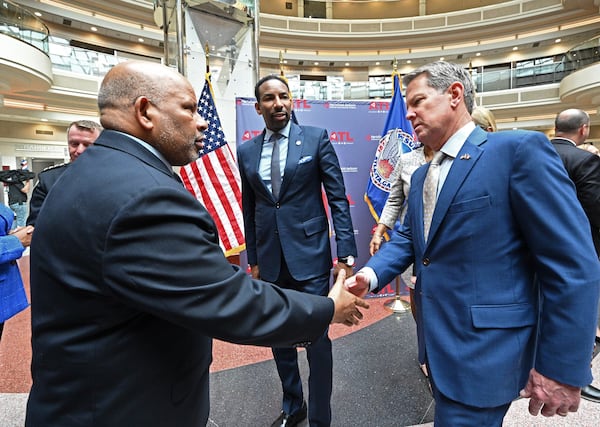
point(127, 81)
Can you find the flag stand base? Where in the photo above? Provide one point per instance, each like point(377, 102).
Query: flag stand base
point(396, 304)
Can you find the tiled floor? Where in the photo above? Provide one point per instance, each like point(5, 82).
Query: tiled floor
point(377, 381)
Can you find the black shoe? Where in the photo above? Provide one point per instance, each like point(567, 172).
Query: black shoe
point(285, 420)
point(591, 393)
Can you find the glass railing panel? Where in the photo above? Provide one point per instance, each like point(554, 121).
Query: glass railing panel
point(21, 24)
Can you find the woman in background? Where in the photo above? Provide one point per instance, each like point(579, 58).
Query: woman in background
point(12, 244)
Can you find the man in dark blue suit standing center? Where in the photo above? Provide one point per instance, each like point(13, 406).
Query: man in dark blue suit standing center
point(283, 171)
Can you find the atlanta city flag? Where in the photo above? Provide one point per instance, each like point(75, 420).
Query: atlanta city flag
point(214, 179)
point(397, 138)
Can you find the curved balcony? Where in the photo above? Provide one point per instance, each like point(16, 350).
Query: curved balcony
point(24, 61)
point(464, 32)
point(582, 86)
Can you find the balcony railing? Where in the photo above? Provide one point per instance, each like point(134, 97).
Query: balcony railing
point(17, 22)
point(23, 25)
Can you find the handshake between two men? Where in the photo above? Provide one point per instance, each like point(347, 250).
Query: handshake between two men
point(347, 304)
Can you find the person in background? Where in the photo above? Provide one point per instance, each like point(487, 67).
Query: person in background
point(507, 279)
point(571, 128)
point(128, 282)
point(395, 209)
point(287, 232)
point(591, 148)
point(18, 191)
point(80, 135)
point(12, 244)
point(484, 118)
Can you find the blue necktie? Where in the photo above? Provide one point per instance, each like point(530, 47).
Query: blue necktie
point(275, 166)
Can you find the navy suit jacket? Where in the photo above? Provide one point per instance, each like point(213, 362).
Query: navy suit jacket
point(506, 258)
point(129, 285)
point(46, 180)
point(296, 224)
point(583, 168)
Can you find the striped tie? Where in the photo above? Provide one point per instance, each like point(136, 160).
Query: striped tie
point(430, 191)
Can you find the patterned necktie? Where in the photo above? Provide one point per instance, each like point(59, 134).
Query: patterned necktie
point(430, 191)
point(275, 166)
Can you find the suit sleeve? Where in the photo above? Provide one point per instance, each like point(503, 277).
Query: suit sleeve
point(248, 210)
point(587, 183)
point(10, 249)
point(162, 257)
point(395, 200)
point(333, 182)
point(567, 272)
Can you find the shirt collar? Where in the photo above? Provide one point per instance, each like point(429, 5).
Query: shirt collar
point(454, 144)
point(566, 139)
point(149, 148)
point(283, 132)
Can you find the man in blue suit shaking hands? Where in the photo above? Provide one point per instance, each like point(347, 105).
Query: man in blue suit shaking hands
point(507, 276)
point(283, 172)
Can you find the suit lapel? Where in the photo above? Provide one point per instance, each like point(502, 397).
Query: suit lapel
point(461, 167)
point(255, 152)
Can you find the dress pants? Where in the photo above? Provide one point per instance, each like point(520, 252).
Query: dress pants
point(320, 361)
point(450, 413)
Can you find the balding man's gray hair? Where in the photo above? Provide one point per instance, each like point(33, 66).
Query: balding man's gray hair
point(127, 88)
point(88, 125)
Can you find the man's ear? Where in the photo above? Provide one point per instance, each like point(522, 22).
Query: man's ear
point(144, 112)
point(456, 91)
point(257, 108)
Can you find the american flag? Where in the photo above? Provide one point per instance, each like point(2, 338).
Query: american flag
point(214, 179)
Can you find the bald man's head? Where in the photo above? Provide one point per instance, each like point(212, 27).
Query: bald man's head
point(155, 104)
point(573, 124)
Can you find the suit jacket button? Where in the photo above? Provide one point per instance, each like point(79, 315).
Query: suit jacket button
point(426, 261)
point(277, 205)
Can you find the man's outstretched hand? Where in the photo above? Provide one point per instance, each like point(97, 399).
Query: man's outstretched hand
point(346, 304)
point(358, 284)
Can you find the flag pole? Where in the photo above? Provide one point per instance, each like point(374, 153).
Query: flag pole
point(207, 61)
point(397, 304)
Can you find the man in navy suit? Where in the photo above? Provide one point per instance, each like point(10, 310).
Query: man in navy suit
point(507, 278)
point(571, 129)
point(80, 135)
point(287, 232)
point(128, 282)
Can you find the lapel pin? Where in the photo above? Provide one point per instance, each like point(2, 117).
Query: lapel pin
point(298, 142)
point(465, 156)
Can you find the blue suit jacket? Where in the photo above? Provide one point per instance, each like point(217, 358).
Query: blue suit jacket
point(509, 254)
point(12, 293)
point(128, 285)
point(296, 224)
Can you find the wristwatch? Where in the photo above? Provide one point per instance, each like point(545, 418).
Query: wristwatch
point(348, 260)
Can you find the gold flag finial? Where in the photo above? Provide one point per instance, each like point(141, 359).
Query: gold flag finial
point(281, 63)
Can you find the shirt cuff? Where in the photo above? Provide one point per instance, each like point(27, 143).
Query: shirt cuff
point(371, 276)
